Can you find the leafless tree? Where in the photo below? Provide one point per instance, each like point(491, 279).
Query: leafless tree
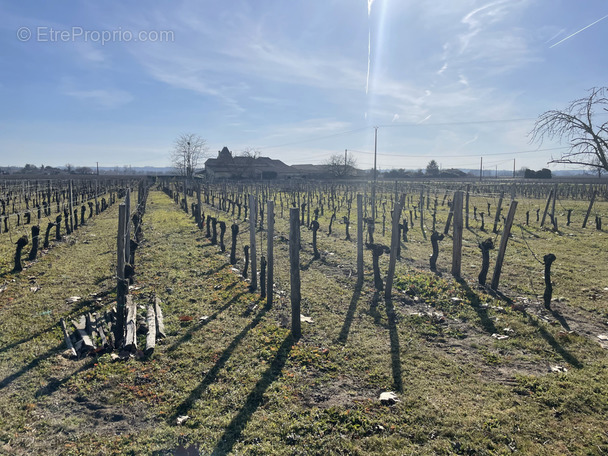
point(188, 153)
point(577, 125)
point(244, 165)
point(340, 165)
point(250, 152)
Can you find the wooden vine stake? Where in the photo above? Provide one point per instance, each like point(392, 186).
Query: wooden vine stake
point(553, 207)
point(199, 222)
point(589, 209)
point(71, 221)
point(503, 245)
point(121, 286)
point(549, 259)
point(294, 259)
point(252, 250)
point(466, 212)
point(66, 338)
point(127, 226)
point(394, 247)
point(359, 239)
point(421, 208)
point(542, 222)
point(457, 234)
point(270, 253)
point(315, 228)
point(498, 211)
point(151, 336)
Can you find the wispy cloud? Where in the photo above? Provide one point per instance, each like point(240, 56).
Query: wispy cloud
point(479, 18)
point(310, 128)
point(578, 31)
point(90, 53)
point(558, 33)
point(253, 53)
point(471, 141)
point(106, 98)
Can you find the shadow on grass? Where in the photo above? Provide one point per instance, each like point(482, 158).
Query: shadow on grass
point(565, 354)
point(211, 376)
point(306, 266)
point(9, 272)
point(350, 314)
point(559, 317)
point(395, 346)
point(29, 338)
point(482, 312)
point(523, 228)
point(393, 332)
point(255, 398)
point(100, 280)
point(188, 334)
point(54, 384)
point(214, 270)
point(373, 310)
point(91, 304)
point(232, 285)
point(28, 367)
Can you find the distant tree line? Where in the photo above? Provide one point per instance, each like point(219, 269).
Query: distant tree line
point(542, 174)
point(68, 169)
point(432, 170)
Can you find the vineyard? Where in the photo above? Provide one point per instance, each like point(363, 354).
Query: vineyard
point(303, 318)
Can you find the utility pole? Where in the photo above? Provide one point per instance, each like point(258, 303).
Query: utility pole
point(496, 172)
point(98, 168)
point(513, 168)
point(481, 170)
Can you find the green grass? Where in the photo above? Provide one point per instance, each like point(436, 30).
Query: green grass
point(249, 388)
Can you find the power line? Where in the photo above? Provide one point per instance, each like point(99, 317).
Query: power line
point(396, 125)
point(462, 156)
point(442, 124)
point(316, 138)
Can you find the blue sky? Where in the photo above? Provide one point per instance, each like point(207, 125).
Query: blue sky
point(451, 80)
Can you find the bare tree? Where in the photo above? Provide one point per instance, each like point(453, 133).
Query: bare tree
point(188, 152)
point(250, 152)
point(340, 165)
point(588, 140)
point(244, 163)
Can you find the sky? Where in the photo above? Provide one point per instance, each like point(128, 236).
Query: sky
point(117, 82)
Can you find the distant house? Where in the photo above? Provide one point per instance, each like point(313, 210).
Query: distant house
point(309, 171)
point(314, 171)
point(227, 166)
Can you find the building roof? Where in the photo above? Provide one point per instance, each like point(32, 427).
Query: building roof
point(229, 164)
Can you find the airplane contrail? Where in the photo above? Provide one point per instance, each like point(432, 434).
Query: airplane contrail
point(579, 31)
point(369, 42)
